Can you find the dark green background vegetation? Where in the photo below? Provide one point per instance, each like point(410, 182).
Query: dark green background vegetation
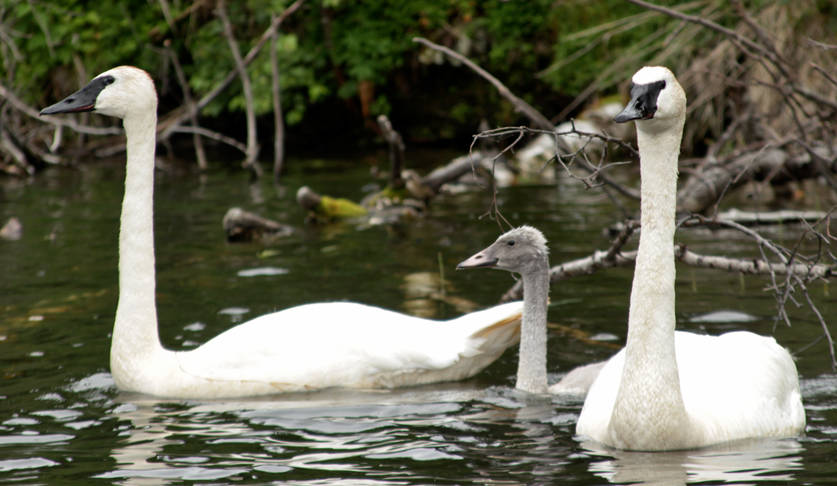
point(333, 51)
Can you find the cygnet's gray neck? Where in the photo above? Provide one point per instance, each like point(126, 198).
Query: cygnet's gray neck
point(531, 369)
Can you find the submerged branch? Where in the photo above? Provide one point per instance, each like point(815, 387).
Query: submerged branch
point(601, 259)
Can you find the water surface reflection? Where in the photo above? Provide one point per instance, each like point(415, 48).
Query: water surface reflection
point(63, 422)
point(740, 463)
point(457, 432)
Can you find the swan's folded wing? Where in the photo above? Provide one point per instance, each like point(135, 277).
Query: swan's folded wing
point(740, 384)
point(601, 398)
point(337, 345)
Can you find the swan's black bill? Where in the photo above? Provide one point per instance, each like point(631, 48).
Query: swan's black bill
point(477, 261)
point(643, 102)
point(82, 100)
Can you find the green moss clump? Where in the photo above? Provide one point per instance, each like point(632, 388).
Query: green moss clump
point(339, 208)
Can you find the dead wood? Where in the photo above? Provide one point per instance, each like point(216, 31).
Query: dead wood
point(520, 105)
point(12, 230)
point(200, 153)
point(175, 121)
point(181, 115)
point(601, 259)
point(705, 186)
point(455, 169)
point(790, 272)
point(786, 216)
point(252, 153)
point(278, 118)
point(240, 225)
point(396, 151)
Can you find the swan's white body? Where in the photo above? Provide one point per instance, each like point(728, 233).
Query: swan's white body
point(308, 347)
point(671, 390)
point(733, 386)
point(322, 345)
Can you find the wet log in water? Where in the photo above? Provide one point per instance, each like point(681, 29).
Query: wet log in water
point(705, 186)
point(241, 225)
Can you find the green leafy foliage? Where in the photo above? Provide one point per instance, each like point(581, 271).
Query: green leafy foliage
point(357, 55)
point(53, 38)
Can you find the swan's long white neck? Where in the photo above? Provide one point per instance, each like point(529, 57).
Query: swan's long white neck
point(650, 362)
point(531, 367)
point(135, 340)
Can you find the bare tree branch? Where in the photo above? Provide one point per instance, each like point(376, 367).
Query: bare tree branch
point(396, 151)
point(826, 332)
point(772, 217)
point(69, 122)
point(571, 156)
point(200, 153)
point(183, 115)
point(219, 137)
point(713, 26)
point(519, 105)
point(278, 118)
point(251, 160)
point(600, 260)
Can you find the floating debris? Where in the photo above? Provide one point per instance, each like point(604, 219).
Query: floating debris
point(719, 316)
point(262, 272)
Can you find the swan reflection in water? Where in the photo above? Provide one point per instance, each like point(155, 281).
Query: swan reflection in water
point(738, 463)
point(335, 432)
point(464, 429)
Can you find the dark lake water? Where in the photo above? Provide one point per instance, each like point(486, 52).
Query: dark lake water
point(63, 422)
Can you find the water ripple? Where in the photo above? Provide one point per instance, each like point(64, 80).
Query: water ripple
point(34, 438)
point(29, 463)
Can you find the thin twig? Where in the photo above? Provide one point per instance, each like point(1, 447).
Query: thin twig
point(593, 171)
point(205, 132)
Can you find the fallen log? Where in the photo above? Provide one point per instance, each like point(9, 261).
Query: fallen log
point(453, 170)
point(709, 183)
point(12, 230)
point(240, 225)
point(785, 216)
point(601, 259)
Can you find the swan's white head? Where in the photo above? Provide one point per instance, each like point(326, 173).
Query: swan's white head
point(121, 92)
point(519, 250)
point(657, 99)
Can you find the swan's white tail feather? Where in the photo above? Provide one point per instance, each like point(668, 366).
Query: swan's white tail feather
point(491, 330)
point(500, 335)
point(460, 348)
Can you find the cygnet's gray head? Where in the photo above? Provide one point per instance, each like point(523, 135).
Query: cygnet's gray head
point(121, 92)
point(657, 99)
point(520, 250)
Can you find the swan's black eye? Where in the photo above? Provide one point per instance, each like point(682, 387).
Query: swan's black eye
point(108, 80)
point(510, 242)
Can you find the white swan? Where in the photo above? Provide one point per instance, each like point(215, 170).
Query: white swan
point(671, 390)
point(523, 250)
point(302, 348)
